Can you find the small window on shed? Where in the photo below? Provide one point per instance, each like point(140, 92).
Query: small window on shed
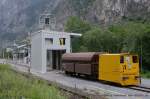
point(49, 41)
point(135, 59)
point(121, 59)
point(47, 21)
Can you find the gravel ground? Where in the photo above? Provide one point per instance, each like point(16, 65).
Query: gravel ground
point(146, 82)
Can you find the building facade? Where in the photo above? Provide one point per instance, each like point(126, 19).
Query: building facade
point(47, 48)
point(47, 45)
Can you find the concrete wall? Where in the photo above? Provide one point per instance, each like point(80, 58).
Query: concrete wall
point(36, 53)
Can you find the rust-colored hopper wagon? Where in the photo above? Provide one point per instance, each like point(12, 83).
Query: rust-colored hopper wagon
point(81, 63)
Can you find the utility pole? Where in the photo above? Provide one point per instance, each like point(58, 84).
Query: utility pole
point(141, 49)
point(3, 53)
point(29, 52)
point(141, 55)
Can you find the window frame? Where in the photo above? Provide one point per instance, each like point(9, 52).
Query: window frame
point(122, 59)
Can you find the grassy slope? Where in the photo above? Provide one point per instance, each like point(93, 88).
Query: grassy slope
point(17, 86)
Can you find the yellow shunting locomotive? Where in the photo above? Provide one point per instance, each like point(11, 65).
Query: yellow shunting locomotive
point(120, 68)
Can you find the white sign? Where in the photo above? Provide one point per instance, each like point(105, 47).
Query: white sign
point(128, 61)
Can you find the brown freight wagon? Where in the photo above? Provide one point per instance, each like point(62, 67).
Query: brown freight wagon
point(81, 63)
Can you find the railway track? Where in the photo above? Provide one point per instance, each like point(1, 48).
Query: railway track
point(141, 88)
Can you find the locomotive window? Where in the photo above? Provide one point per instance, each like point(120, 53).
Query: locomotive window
point(121, 59)
point(135, 59)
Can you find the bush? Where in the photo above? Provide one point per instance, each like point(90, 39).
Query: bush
point(145, 74)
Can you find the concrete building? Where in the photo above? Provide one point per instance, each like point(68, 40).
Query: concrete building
point(21, 53)
point(47, 46)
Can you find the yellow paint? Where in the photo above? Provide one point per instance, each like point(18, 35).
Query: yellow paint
point(62, 41)
point(110, 69)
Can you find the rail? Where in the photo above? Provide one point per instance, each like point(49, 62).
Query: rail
point(141, 88)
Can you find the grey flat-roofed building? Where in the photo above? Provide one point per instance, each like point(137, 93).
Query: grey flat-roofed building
point(47, 48)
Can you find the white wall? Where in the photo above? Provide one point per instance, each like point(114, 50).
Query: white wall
point(36, 53)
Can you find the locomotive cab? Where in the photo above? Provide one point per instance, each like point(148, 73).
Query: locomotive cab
point(130, 69)
point(119, 68)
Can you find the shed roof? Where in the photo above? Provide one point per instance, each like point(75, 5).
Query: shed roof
point(57, 33)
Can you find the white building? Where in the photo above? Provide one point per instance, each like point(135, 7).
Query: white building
point(47, 47)
point(21, 53)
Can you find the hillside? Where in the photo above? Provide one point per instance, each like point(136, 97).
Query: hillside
point(17, 17)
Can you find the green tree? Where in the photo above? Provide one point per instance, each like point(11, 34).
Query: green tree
point(76, 25)
point(119, 35)
point(99, 40)
point(134, 37)
point(145, 44)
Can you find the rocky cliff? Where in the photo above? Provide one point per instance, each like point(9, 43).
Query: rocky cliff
point(17, 17)
point(109, 11)
point(104, 11)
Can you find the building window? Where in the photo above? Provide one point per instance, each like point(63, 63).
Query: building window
point(49, 41)
point(62, 41)
point(47, 21)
